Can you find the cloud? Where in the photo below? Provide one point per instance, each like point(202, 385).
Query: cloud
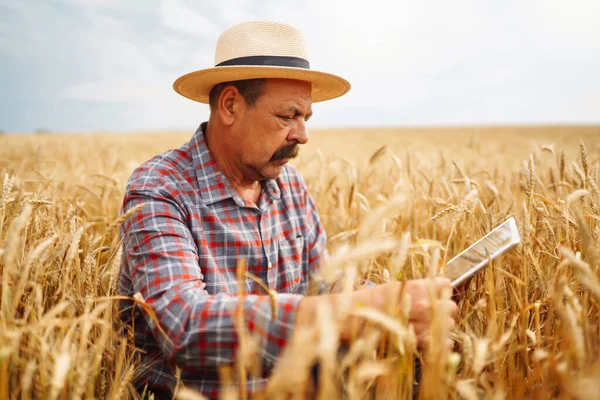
point(176, 15)
point(467, 62)
point(412, 62)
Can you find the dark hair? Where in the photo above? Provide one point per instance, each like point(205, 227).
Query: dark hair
point(250, 89)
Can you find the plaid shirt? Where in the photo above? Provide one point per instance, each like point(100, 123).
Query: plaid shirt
point(180, 252)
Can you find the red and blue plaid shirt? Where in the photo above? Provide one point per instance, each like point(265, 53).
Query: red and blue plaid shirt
point(180, 251)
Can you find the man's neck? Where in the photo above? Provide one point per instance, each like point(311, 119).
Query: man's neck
point(247, 189)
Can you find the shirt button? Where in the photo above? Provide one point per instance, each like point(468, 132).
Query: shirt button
point(269, 264)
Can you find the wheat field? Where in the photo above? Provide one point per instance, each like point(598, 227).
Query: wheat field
point(396, 204)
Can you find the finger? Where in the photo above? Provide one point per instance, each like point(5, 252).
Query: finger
point(423, 341)
point(420, 328)
point(453, 308)
point(442, 283)
point(451, 324)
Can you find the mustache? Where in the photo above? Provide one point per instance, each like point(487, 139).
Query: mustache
point(290, 151)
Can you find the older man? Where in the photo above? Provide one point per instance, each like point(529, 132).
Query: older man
point(226, 195)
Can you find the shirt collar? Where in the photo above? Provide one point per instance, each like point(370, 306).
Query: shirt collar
point(214, 185)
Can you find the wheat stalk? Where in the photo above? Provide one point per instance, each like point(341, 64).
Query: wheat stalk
point(526, 326)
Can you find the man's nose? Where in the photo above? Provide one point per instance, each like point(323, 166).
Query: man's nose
point(300, 132)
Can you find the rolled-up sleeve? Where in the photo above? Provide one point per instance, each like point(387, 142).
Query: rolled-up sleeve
point(162, 261)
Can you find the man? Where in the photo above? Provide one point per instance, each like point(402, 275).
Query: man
point(227, 195)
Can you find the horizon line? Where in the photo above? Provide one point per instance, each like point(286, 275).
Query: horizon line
point(332, 127)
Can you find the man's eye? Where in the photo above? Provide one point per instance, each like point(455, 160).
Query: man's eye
point(286, 118)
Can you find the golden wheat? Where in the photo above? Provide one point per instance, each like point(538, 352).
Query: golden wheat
point(396, 205)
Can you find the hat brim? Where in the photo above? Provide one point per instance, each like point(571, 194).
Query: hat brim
point(198, 84)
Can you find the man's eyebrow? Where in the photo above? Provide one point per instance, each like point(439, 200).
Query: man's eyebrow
point(297, 111)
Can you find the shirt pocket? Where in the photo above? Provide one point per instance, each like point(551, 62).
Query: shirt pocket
point(290, 264)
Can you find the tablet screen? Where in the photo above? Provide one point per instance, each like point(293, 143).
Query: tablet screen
point(492, 245)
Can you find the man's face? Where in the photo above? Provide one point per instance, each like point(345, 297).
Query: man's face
point(269, 134)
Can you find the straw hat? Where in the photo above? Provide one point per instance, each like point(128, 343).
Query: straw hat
point(260, 49)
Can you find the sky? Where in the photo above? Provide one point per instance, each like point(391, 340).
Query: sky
point(93, 65)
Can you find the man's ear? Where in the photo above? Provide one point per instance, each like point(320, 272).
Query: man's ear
point(228, 105)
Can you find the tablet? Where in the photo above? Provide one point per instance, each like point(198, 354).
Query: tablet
point(490, 247)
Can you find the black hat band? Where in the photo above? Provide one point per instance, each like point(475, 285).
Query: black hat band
point(273, 61)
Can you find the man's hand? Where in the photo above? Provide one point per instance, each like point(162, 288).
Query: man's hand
point(425, 298)
point(422, 307)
